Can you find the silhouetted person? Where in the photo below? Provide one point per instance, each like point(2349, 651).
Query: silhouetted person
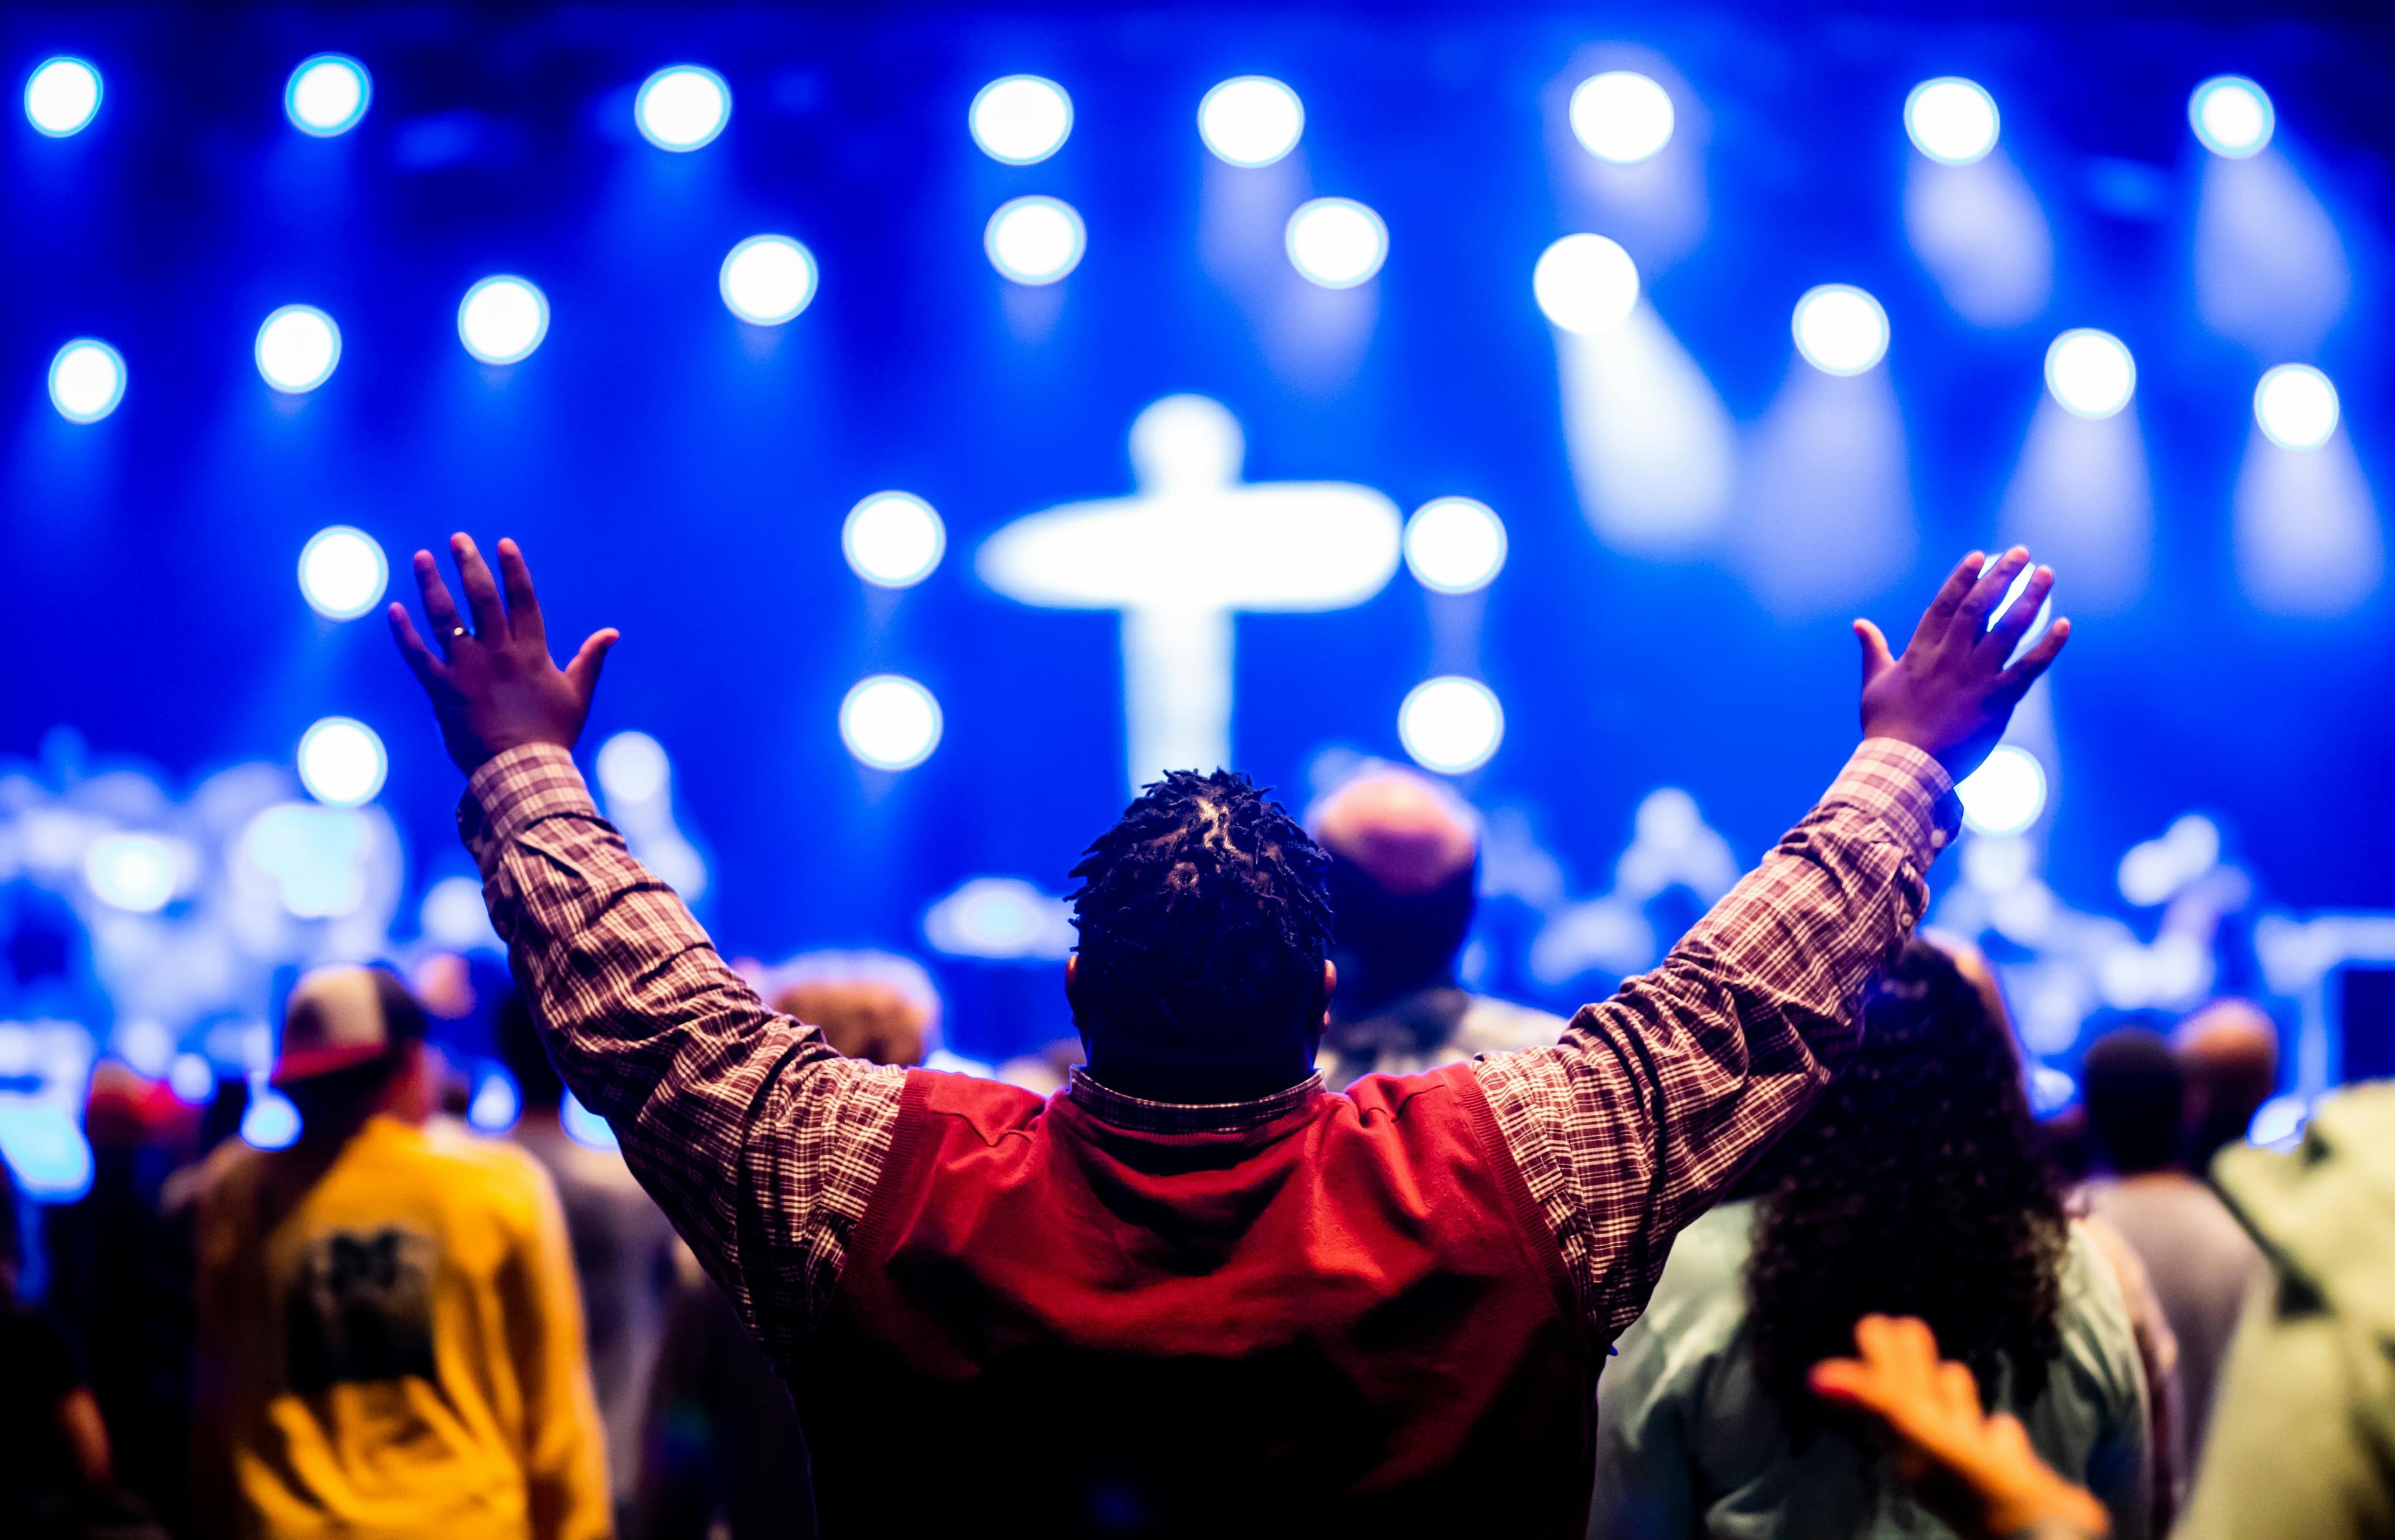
point(2229, 1050)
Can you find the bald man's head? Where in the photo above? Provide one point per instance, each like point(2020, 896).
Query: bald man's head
point(1399, 830)
point(1403, 857)
point(2229, 1050)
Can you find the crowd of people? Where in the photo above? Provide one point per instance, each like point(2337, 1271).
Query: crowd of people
point(1309, 1238)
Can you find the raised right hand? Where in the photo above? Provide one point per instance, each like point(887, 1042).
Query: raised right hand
point(1950, 695)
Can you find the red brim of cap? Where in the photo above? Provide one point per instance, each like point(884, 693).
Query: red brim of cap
point(309, 1063)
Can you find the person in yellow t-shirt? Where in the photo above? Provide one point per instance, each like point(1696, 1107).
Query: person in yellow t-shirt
point(390, 1338)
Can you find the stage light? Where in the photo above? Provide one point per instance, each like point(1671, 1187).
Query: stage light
point(1337, 243)
point(1454, 545)
point(502, 319)
point(1035, 240)
point(767, 279)
point(1253, 120)
point(328, 94)
point(45, 1148)
point(342, 572)
point(633, 768)
point(1021, 119)
point(62, 97)
point(1450, 723)
point(892, 540)
point(271, 1122)
point(496, 1103)
point(192, 1079)
point(2005, 795)
point(1586, 283)
point(2296, 406)
point(1622, 116)
point(1951, 120)
point(889, 722)
point(134, 872)
point(2232, 116)
point(2090, 372)
point(454, 916)
point(682, 108)
point(297, 348)
point(86, 379)
point(342, 762)
point(1840, 329)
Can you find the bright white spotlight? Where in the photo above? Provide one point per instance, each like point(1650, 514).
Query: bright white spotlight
point(1337, 243)
point(328, 94)
point(1622, 116)
point(2090, 372)
point(297, 348)
point(892, 540)
point(271, 1122)
point(86, 379)
point(1454, 545)
point(889, 722)
point(62, 97)
point(1586, 283)
point(135, 872)
point(342, 762)
point(342, 572)
point(1450, 723)
point(1951, 120)
point(1252, 120)
point(502, 319)
point(2005, 795)
point(1021, 119)
point(1034, 239)
point(767, 279)
point(2296, 406)
point(682, 108)
point(633, 768)
point(2232, 116)
point(1840, 329)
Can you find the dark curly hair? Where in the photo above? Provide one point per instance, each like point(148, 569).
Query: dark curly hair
point(1916, 1186)
point(1202, 916)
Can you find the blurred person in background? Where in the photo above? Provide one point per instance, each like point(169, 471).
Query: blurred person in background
point(2200, 1260)
point(2230, 1052)
point(1404, 859)
point(623, 1247)
point(390, 1339)
point(1914, 1186)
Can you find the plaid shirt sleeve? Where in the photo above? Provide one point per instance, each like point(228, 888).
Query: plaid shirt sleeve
point(759, 1142)
point(1652, 1102)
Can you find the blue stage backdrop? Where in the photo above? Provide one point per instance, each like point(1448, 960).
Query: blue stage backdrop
point(1698, 488)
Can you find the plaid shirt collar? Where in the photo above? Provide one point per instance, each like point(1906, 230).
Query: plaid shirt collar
point(1141, 1116)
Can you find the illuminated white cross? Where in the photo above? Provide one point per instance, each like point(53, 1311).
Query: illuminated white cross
point(1194, 548)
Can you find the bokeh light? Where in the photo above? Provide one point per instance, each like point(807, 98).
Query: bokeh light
point(2005, 795)
point(62, 97)
point(1337, 243)
point(297, 348)
point(342, 572)
point(134, 872)
point(1034, 239)
point(1586, 283)
point(892, 540)
point(633, 768)
point(342, 762)
point(1454, 545)
point(682, 108)
point(328, 95)
point(2232, 116)
point(2090, 372)
point(2296, 406)
point(1840, 329)
point(1450, 723)
point(1252, 120)
point(1020, 120)
point(502, 319)
point(1622, 116)
point(496, 1103)
point(889, 722)
point(271, 1122)
point(1951, 120)
point(86, 379)
point(767, 280)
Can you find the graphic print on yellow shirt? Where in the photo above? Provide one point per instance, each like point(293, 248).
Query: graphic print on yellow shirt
point(358, 1309)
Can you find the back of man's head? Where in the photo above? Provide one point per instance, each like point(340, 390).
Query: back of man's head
point(865, 1019)
point(2134, 1090)
point(1203, 932)
point(1404, 854)
point(2229, 1050)
point(347, 1032)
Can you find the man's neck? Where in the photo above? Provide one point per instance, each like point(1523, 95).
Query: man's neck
point(1198, 1085)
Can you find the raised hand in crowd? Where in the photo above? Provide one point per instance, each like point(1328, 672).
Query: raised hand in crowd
point(1951, 692)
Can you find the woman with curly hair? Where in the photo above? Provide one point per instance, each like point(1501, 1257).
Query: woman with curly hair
point(1916, 1187)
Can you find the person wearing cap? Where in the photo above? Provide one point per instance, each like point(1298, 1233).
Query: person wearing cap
point(1404, 859)
point(390, 1339)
